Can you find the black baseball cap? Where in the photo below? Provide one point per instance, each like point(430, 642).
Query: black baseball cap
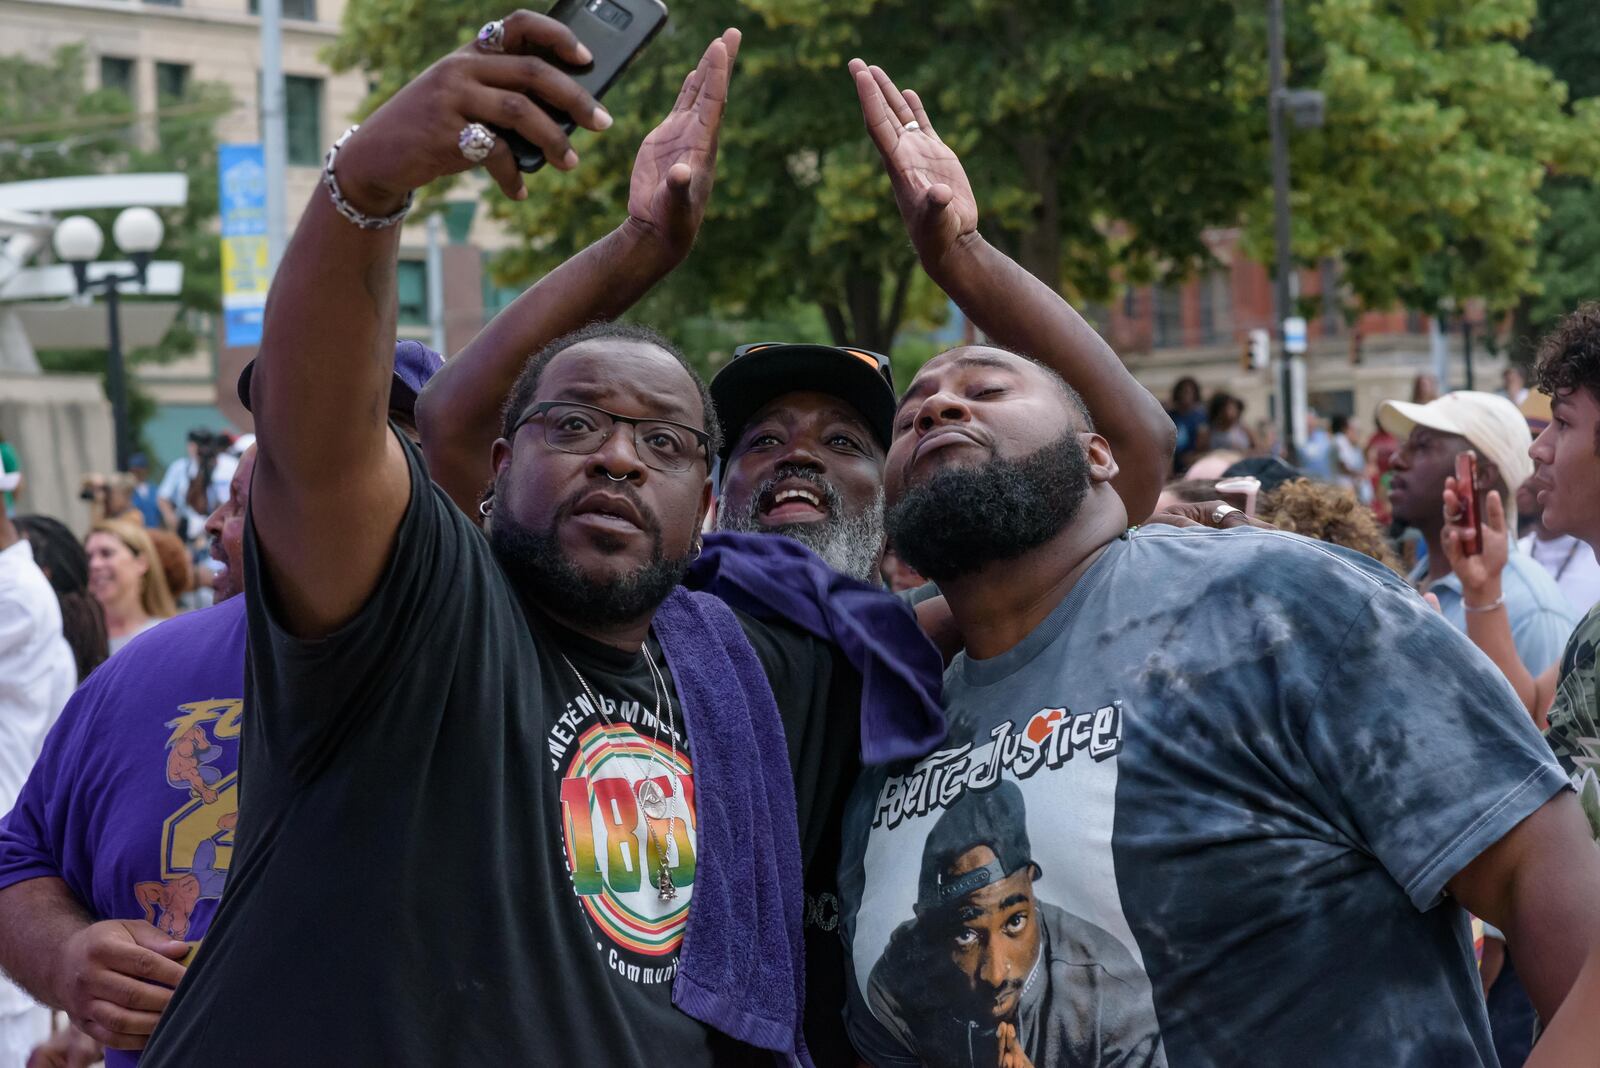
point(996, 818)
point(762, 371)
point(1270, 471)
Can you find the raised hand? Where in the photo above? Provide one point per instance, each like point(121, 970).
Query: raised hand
point(1479, 574)
point(930, 186)
point(677, 163)
point(414, 137)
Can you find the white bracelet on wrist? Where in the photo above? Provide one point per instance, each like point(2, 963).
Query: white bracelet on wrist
point(343, 206)
point(1490, 607)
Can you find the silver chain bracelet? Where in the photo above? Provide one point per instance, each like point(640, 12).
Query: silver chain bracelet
point(343, 206)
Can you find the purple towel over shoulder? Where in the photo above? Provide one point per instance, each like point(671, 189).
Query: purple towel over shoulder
point(742, 966)
point(773, 577)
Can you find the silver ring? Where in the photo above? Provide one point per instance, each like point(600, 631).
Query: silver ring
point(492, 38)
point(913, 125)
point(614, 478)
point(1223, 511)
point(475, 142)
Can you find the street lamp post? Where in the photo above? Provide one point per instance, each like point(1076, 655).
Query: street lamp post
point(1305, 108)
point(78, 240)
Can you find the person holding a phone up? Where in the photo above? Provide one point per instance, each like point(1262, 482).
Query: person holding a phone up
point(1432, 437)
point(1566, 694)
point(514, 798)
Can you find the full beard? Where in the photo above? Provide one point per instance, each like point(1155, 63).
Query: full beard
point(964, 518)
point(850, 544)
point(539, 567)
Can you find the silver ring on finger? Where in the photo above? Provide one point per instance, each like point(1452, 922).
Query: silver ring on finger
point(475, 142)
point(1222, 512)
point(913, 125)
point(492, 38)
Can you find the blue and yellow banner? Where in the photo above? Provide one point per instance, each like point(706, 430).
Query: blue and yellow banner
point(245, 271)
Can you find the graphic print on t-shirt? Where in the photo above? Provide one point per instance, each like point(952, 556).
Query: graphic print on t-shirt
point(627, 803)
point(989, 922)
point(197, 838)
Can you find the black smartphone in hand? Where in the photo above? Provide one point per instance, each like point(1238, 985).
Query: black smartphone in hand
point(614, 31)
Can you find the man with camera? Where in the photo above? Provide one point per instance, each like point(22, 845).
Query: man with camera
point(195, 483)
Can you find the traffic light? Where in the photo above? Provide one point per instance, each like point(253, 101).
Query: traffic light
point(1258, 353)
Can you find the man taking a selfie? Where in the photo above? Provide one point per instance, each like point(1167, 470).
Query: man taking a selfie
point(510, 798)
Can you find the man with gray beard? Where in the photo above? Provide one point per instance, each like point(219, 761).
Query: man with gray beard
point(808, 427)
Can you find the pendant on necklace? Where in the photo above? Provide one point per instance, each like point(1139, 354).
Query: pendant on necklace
point(652, 800)
point(664, 888)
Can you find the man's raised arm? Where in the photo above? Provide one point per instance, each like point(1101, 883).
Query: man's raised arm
point(459, 411)
point(1003, 300)
point(331, 482)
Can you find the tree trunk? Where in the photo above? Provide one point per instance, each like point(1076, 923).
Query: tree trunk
point(1037, 247)
point(863, 317)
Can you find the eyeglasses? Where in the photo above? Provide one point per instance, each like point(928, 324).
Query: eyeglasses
point(581, 429)
point(876, 361)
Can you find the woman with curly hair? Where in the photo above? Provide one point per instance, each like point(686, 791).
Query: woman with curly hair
point(1327, 513)
point(66, 565)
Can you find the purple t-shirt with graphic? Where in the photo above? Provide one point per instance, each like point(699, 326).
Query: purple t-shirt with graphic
point(134, 799)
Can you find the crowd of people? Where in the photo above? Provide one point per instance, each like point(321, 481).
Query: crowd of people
point(570, 718)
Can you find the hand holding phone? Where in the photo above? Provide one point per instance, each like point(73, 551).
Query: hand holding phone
point(1470, 524)
point(614, 31)
point(1241, 492)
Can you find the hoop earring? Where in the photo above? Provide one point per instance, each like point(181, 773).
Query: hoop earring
point(484, 506)
point(698, 548)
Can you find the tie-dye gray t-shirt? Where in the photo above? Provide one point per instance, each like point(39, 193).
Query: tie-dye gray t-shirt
point(1203, 815)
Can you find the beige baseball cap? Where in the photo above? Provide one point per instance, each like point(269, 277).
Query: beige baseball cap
point(1492, 425)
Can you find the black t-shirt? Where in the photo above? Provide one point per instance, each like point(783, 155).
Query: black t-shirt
point(447, 855)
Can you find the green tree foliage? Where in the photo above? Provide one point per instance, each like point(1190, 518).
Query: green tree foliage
point(1565, 38)
point(1099, 135)
point(1439, 136)
point(53, 126)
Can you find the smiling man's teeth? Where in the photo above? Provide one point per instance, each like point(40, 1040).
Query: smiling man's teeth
point(797, 495)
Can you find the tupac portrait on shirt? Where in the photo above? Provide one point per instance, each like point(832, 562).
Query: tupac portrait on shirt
point(985, 967)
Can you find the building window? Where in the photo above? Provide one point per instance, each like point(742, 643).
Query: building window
point(1216, 306)
point(1130, 303)
point(292, 9)
point(1332, 307)
point(302, 108)
point(411, 286)
point(172, 80)
point(1168, 316)
point(497, 297)
point(117, 75)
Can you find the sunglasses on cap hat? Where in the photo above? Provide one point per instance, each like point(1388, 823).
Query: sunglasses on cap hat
point(877, 361)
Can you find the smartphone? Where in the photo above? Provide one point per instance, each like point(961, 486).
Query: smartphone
point(614, 31)
point(1471, 524)
point(1241, 492)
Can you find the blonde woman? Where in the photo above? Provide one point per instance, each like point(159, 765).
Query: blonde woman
point(126, 577)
